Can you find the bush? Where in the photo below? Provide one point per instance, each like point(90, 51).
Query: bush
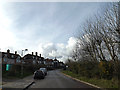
point(90, 69)
point(15, 70)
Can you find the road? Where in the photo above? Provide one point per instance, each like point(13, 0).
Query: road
point(55, 79)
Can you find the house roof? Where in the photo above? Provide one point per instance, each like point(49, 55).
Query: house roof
point(55, 59)
point(10, 55)
point(30, 56)
point(61, 62)
point(49, 60)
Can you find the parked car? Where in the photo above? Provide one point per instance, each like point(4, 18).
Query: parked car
point(44, 70)
point(39, 74)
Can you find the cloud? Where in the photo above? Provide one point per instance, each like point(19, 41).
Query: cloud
point(60, 50)
point(71, 45)
point(7, 38)
point(43, 27)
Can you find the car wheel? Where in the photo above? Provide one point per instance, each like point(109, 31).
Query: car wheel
point(43, 77)
point(35, 78)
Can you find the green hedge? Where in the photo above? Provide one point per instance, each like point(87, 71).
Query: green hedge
point(15, 71)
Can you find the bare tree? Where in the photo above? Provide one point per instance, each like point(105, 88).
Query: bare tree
point(102, 35)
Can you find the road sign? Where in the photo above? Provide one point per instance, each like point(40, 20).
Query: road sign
point(7, 67)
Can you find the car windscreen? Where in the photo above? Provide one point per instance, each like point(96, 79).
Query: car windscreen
point(42, 69)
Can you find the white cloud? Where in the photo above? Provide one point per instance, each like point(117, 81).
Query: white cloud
point(71, 45)
point(46, 48)
point(59, 50)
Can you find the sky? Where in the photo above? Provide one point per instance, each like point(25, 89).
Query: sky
point(49, 28)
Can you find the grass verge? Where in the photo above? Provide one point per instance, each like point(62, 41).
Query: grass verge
point(98, 82)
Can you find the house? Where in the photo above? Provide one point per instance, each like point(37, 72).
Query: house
point(10, 58)
point(41, 60)
point(49, 62)
point(30, 59)
point(56, 63)
point(61, 64)
point(14, 58)
point(33, 59)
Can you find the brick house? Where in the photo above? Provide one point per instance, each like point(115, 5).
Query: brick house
point(41, 60)
point(33, 59)
point(56, 63)
point(10, 58)
point(49, 62)
point(61, 64)
point(14, 58)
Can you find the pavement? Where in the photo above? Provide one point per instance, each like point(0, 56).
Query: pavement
point(54, 79)
point(18, 83)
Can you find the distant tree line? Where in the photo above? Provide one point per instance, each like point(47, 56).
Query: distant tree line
point(97, 52)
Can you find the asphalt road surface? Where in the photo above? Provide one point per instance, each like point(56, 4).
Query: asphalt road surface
point(55, 79)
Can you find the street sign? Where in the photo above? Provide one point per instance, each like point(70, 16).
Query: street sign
point(7, 67)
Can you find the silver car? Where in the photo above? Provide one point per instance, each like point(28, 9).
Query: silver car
point(44, 70)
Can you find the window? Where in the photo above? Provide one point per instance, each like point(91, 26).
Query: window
point(5, 60)
point(33, 57)
point(33, 62)
point(18, 60)
point(5, 55)
point(44, 62)
point(12, 56)
point(18, 57)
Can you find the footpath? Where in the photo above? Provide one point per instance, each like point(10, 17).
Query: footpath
point(17, 83)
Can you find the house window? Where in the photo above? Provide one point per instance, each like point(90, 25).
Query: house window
point(5, 60)
point(39, 61)
point(5, 55)
point(23, 62)
point(33, 57)
point(18, 57)
point(12, 56)
point(18, 60)
point(44, 62)
point(33, 62)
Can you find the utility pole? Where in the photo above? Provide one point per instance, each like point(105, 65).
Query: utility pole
point(22, 61)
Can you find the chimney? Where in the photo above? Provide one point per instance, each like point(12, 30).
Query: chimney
point(40, 55)
point(36, 53)
point(15, 52)
point(8, 51)
point(32, 53)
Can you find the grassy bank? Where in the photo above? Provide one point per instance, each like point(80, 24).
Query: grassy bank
point(99, 82)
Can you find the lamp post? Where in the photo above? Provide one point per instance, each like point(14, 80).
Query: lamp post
point(22, 61)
